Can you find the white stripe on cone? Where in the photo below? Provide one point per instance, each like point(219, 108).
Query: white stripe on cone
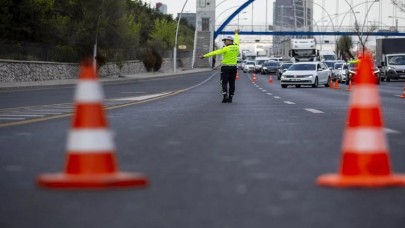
point(89, 91)
point(90, 141)
point(365, 96)
point(365, 140)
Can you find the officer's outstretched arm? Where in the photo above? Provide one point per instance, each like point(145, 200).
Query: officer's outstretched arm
point(236, 38)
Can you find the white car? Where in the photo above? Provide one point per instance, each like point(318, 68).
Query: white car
point(306, 73)
point(259, 63)
point(336, 69)
point(343, 73)
point(249, 66)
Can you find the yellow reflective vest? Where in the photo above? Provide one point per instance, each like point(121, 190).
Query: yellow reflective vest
point(230, 53)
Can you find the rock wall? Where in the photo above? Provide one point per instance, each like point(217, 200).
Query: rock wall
point(19, 71)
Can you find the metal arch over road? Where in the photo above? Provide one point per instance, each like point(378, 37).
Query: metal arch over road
point(286, 33)
point(226, 22)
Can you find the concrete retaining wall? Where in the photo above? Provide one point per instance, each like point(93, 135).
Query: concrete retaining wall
point(20, 71)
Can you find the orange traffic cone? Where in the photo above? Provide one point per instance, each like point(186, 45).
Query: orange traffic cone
point(91, 162)
point(331, 84)
point(270, 79)
point(349, 88)
point(336, 84)
point(237, 75)
point(254, 77)
point(365, 159)
point(403, 94)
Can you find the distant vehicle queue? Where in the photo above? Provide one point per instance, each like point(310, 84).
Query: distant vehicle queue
point(312, 73)
point(306, 65)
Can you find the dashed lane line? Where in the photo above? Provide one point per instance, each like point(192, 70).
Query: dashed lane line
point(391, 131)
point(313, 110)
point(289, 102)
point(277, 97)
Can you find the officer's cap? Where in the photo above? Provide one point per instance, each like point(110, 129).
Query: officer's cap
point(228, 38)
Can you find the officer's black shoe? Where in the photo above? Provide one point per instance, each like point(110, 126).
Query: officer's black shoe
point(225, 99)
point(230, 99)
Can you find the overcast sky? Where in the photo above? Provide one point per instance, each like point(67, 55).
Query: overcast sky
point(226, 7)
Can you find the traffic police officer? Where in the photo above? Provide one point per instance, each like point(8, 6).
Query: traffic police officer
point(230, 54)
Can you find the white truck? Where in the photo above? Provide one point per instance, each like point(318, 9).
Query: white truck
point(327, 55)
point(300, 50)
point(390, 58)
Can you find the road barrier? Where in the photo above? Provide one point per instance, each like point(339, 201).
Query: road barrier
point(270, 79)
point(91, 161)
point(365, 158)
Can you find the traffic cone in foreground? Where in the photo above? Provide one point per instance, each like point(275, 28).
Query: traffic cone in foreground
point(254, 77)
point(91, 161)
point(237, 75)
point(365, 159)
point(403, 94)
point(349, 88)
point(270, 79)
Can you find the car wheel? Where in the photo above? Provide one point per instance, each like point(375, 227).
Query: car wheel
point(315, 83)
point(387, 78)
point(283, 86)
point(297, 86)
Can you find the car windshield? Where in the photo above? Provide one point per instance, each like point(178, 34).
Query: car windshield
point(250, 63)
point(260, 62)
point(396, 60)
point(271, 64)
point(299, 67)
point(329, 64)
point(329, 57)
point(338, 65)
point(285, 66)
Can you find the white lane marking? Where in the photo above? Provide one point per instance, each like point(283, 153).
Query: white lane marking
point(313, 110)
point(391, 131)
point(132, 92)
point(269, 94)
point(140, 98)
point(42, 113)
point(10, 115)
point(289, 102)
point(9, 118)
point(264, 90)
point(277, 97)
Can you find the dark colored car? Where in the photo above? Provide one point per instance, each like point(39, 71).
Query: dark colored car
point(352, 70)
point(270, 67)
point(283, 68)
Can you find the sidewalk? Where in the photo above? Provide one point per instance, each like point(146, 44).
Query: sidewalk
point(121, 78)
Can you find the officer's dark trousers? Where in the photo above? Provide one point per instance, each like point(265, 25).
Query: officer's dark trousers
point(228, 75)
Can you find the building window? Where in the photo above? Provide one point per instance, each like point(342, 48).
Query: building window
point(202, 3)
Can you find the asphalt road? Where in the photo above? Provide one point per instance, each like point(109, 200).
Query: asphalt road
point(252, 163)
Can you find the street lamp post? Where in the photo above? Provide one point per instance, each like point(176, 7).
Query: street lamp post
point(396, 20)
point(175, 39)
point(239, 18)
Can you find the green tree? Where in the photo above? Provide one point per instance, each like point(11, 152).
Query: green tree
point(344, 46)
point(164, 31)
